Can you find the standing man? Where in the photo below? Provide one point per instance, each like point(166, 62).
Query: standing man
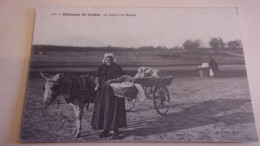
point(214, 66)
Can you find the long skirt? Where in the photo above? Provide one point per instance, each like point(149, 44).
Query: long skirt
point(109, 110)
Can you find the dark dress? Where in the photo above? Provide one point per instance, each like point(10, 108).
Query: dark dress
point(109, 111)
point(214, 66)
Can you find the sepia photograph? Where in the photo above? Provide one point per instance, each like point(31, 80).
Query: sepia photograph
point(101, 74)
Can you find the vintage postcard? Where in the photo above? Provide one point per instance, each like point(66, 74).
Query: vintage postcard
point(137, 75)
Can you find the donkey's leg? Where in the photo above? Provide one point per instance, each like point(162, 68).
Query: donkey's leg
point(79, 119)
point(76, 111)
point(79, 113)
point(87, 106)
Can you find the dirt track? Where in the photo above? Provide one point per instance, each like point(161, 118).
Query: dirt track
point(210, 109)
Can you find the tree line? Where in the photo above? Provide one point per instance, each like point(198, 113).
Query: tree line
point(190, 45)
point(214, 43)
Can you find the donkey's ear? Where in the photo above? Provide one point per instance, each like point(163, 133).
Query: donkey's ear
point(44, 76)
point(57, 76)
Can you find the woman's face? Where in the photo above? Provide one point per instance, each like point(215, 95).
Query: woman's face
point(109, 60)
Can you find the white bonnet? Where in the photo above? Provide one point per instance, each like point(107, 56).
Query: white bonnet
point(109, 55)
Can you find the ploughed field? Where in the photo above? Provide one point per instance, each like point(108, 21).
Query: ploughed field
point(202, 109)
point(127, 58)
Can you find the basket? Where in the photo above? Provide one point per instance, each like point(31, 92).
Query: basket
point(125, 89)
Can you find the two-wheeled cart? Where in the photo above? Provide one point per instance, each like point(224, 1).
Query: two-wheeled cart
point(155, 87)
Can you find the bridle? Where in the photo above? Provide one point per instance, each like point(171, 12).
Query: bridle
point(57, 88)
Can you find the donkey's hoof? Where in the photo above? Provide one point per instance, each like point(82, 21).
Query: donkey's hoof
point(77, 135)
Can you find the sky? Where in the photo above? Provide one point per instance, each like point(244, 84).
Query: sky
point(133, 27)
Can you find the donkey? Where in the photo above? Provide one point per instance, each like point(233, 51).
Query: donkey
point(76, 90)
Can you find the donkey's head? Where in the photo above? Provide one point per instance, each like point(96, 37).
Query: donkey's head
point(52, 87)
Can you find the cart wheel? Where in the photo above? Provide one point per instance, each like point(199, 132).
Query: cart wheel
point(129, 103)
point(161, 100)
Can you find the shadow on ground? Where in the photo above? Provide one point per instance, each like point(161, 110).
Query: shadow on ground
point(193, 116)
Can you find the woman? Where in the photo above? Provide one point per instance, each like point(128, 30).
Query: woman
point(109, 111)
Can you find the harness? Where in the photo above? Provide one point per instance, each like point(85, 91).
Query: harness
point(77, 87)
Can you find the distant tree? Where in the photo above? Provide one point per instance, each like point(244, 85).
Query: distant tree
point(177, 48)
point(161, 47)
point(146, 48)
point(236, 44)
point(191, 45)
point(216, 44)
